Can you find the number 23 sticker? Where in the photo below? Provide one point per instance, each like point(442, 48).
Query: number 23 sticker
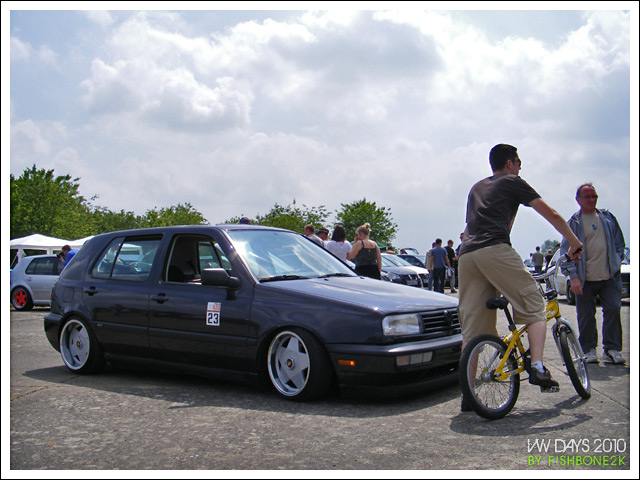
point(213, 314)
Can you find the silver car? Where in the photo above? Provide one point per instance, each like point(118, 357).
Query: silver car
point(32, 280)
point(564, 283)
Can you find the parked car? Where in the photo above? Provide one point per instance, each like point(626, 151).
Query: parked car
point(398, 261)
point(248, 302)
point(530, 266)
point(416, 260)
point(625, 272)
point(402, 275)
point(564, 283)
point(32, 279)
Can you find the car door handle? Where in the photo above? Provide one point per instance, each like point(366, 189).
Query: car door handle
point(160, 298)
point(90, 291)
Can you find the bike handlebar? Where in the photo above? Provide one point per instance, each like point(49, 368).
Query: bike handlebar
point(563, 259)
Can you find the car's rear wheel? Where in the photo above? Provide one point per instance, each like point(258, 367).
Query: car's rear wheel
point(298, 365)
point(21, 299)
point(79, 348)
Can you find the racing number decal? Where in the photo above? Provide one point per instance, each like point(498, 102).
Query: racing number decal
point(213, 314)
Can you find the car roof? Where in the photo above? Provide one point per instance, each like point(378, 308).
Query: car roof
point(32, 257)
point(178, 228)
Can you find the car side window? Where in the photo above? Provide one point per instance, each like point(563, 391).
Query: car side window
point(189, 255)
point(43, 266)
point(127, 259)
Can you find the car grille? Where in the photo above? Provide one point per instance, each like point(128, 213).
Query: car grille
point(441, 323)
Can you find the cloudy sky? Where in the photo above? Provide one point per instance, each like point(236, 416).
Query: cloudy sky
point(234, 111)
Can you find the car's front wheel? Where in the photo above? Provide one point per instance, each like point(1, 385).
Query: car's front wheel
point(21, 299)
point(298, 365)
point(79, 348)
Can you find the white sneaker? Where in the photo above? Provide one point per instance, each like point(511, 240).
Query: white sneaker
point(614, 357)
point(591, 356)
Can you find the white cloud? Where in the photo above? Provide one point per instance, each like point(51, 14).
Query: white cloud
point(28, 140)
point(19, 50)
point(398, 107)
point(103, 18)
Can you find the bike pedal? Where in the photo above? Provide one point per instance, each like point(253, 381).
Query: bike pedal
point(553, 389)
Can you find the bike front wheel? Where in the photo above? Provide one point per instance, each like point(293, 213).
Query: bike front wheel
point(574, 362)
point(490, 398)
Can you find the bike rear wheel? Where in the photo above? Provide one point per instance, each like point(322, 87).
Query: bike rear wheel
point(489, 398)
point(574, 362)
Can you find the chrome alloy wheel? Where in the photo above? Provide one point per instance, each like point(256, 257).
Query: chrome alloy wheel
point(75, 345)
point(289, 363)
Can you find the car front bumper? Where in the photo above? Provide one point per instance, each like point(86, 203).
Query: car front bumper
point(397, 367)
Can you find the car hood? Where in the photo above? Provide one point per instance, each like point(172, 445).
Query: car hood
point(385, 297)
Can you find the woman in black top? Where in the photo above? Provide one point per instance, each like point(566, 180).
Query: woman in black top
point(366, 254)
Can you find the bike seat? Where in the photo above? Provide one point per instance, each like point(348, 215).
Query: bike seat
point(498, 302)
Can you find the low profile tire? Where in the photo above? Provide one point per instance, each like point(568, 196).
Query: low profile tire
point(571, 297)
point(79, 349)
point(298, 366)
point(21, 299)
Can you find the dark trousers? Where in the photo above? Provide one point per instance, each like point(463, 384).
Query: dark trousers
point(439, 275)
point(610, 292)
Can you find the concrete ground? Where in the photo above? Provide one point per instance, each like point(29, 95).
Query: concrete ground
point(132, 420)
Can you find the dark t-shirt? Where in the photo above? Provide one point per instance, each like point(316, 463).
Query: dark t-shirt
point(491, 208)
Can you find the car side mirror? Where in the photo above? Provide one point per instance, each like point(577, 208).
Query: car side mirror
point(218, 277)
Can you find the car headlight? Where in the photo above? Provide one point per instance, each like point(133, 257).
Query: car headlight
point(395, 325)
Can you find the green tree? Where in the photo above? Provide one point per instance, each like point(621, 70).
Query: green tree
point(293, 217)
point(352, 215)
point(181, 214)
point(104, 220)
point(47, 204)
point(549, 245)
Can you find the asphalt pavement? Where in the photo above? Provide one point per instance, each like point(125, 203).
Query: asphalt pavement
point(131, 420)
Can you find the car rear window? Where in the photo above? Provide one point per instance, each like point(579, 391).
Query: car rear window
point(127, 259)
point(43, 266)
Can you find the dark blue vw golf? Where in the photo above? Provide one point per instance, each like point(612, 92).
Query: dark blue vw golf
point(247, 302)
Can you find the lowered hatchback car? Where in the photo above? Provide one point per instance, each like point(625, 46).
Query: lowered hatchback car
point(248, 303)
point(32, 279)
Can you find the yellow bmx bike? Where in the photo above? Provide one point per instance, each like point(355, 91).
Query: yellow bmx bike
point(490, 366)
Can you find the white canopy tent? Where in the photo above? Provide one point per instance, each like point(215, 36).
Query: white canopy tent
point(79, 242)
point(44, 243)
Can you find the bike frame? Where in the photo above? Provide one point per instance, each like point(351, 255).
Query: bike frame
point(514, 339)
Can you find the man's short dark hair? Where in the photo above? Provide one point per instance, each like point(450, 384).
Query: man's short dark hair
point(584, 185)
point(500, 154)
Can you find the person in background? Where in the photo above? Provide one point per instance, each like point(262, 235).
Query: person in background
point(427, 263)
point(597, 275)
point(310, 233)
point(365, 253)
point(547, 259)
point(453, 263)
point(439, 264)
point(538, 260)
point(323, 234)
point(457, 257)
point(68, 254)
point(338, 245)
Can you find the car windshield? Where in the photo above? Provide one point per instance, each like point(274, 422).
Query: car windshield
point(277, 255)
